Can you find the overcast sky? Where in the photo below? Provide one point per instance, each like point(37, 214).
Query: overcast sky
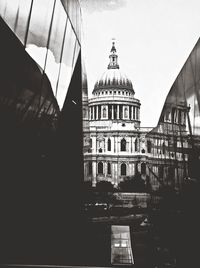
point(153, 40)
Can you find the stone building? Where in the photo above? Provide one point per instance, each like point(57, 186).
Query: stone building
point(114, 116)
point(120, 147)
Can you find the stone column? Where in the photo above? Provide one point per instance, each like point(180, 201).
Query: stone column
point(132, 113)
point(97, 112)
point(113, 174)
point(106, 111)
point(112, 112)
point(101, 111)
point(89, 113)
point(93, 117)
point(94, 144)
point(94, 173)
point(117, 111)
point(128, 112)
point(105, 169)
point(116, 172)
point(130, 145)
point(133, 169)
point(123, 111)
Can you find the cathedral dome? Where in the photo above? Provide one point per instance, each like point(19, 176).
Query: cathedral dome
point(113, 78)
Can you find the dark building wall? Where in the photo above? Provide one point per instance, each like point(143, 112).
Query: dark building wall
point(41, 159)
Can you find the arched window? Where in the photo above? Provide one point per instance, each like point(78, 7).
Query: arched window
point(123, 145)
point(90, 168)
point(149, 146)
point(143, 168)
point(143, 151)
point(109, 144)
point(109, 168)
point(123, 169)
point(90, 141)
point(100, 168)
point(136, 145)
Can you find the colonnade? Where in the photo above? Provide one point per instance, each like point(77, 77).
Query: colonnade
point(114, 111)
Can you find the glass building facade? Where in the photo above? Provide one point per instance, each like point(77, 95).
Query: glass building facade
point(175, 142)
point(43, 110)
point(177, 134)
point(50, 33)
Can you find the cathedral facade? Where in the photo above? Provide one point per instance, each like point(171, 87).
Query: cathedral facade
point(119, 146)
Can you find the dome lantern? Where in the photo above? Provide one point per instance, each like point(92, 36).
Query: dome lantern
point(113, 58)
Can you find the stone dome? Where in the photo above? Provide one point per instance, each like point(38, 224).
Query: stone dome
point(113, 78)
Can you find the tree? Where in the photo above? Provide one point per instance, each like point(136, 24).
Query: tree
point(104, 186)
point(133, 184)
point(105, 193)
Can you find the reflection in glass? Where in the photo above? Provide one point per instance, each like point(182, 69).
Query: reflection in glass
point(45, 29)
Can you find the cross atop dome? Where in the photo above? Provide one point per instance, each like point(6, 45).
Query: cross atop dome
point(113, 58)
